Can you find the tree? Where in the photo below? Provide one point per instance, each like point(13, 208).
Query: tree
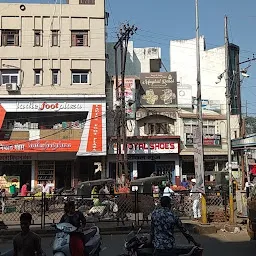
point(250, 124)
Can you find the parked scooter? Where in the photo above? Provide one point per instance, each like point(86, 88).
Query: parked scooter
point(139, 245)
point(61, 244)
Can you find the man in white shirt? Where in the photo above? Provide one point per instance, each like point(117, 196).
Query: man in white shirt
point(46, 188)
point(196, 197)
point(168, 191)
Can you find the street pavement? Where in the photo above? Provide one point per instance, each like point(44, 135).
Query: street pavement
point(217, 244)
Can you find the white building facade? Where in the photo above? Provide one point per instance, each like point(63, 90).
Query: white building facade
point(183, 61)
point(53, 103)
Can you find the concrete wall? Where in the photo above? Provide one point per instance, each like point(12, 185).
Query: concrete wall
point(183, 61)
point(47, 17)
point(138, 59)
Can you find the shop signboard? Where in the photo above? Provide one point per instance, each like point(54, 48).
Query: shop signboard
point(130, 92)
point(209, 139)
point(162, 147)
point(93, 139)
point(184, 93)
point(159, 89)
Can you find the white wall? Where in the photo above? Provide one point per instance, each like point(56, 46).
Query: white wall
point(183, 61)
point(138, 59)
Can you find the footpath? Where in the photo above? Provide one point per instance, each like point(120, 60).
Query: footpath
point(111, 228)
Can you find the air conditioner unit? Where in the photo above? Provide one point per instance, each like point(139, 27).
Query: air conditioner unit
point(12, 87)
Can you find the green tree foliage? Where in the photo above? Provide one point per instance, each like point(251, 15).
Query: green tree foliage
point(250, 124)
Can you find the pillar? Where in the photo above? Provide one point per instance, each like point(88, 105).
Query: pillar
point(134, 170)
point(177, 174)
point(33, 175)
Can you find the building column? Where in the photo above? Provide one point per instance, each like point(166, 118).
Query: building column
point(33, 174)
point(103, 166)
point(134, 170)
point(177, 174)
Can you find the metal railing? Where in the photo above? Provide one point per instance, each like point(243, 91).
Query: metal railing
point(115, 209)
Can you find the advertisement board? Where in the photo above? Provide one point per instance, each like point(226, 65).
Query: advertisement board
point(208, 139)
point(199, 160)
point(213, 105)
point(93, 139)
point(184, 93)
point(130, 92)
point(159, 89)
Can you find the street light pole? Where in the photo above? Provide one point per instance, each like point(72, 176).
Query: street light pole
point(228, 105)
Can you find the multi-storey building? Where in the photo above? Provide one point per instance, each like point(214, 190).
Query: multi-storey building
point(52, 93)
point(152, 144)
point(183, 61)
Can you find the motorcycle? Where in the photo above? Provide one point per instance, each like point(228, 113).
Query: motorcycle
point(140, 245)
point(61, 244)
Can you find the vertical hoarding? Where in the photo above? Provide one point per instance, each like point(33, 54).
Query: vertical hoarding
point(130, 100)
point(184, 93)
point(159, 89)
point(199, 159)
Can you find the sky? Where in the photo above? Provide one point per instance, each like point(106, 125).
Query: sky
point(160, 21)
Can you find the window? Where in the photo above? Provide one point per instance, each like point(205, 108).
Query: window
point(55, 77)
point(38, 80)
point(156, 128)
point(86, 1)
point(10, 37)
point(10, 76)
point(79, 38)
point(55, 38)
point(80, 77)
point(37, 38)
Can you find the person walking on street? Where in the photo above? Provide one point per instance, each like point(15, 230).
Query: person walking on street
point(196, 197)
point(27, 243)
point(3, 199)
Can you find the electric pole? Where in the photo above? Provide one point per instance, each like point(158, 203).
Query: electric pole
point(228, 105)
point(124, 36)
point(198, 141)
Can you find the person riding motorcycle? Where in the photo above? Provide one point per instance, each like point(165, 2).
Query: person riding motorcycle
point(163, 222)
point(77, 219)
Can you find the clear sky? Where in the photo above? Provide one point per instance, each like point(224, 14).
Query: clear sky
point(160, 21)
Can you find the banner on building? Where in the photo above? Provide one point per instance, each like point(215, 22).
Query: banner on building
point(130, 92)
point(213, 140)
point(159, 89)
point(213, 105)
point(199, 160)
point(148, 147)
point(184, 93)
point(92, 129)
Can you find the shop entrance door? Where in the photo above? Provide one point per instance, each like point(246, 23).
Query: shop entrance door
point(63, 174)
point(165, 169)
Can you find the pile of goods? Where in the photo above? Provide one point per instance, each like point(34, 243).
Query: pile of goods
point(178, 188)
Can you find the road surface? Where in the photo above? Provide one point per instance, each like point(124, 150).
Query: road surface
point(217, 244)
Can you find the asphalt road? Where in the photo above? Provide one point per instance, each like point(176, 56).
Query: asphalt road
point(217, 244)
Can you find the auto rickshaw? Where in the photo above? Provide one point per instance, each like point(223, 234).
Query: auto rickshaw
point(84, 189)
point(144, 185)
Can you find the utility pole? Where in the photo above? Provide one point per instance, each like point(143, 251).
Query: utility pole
point(228, 105)
point(121, 119)
point(198, 146)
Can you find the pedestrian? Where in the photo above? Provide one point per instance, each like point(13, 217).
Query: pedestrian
point(196, 196)
point(46, 189)
point(27, 243)
point(184, 183)
point(24, 189)
point(168, 191)
point(3, 199)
